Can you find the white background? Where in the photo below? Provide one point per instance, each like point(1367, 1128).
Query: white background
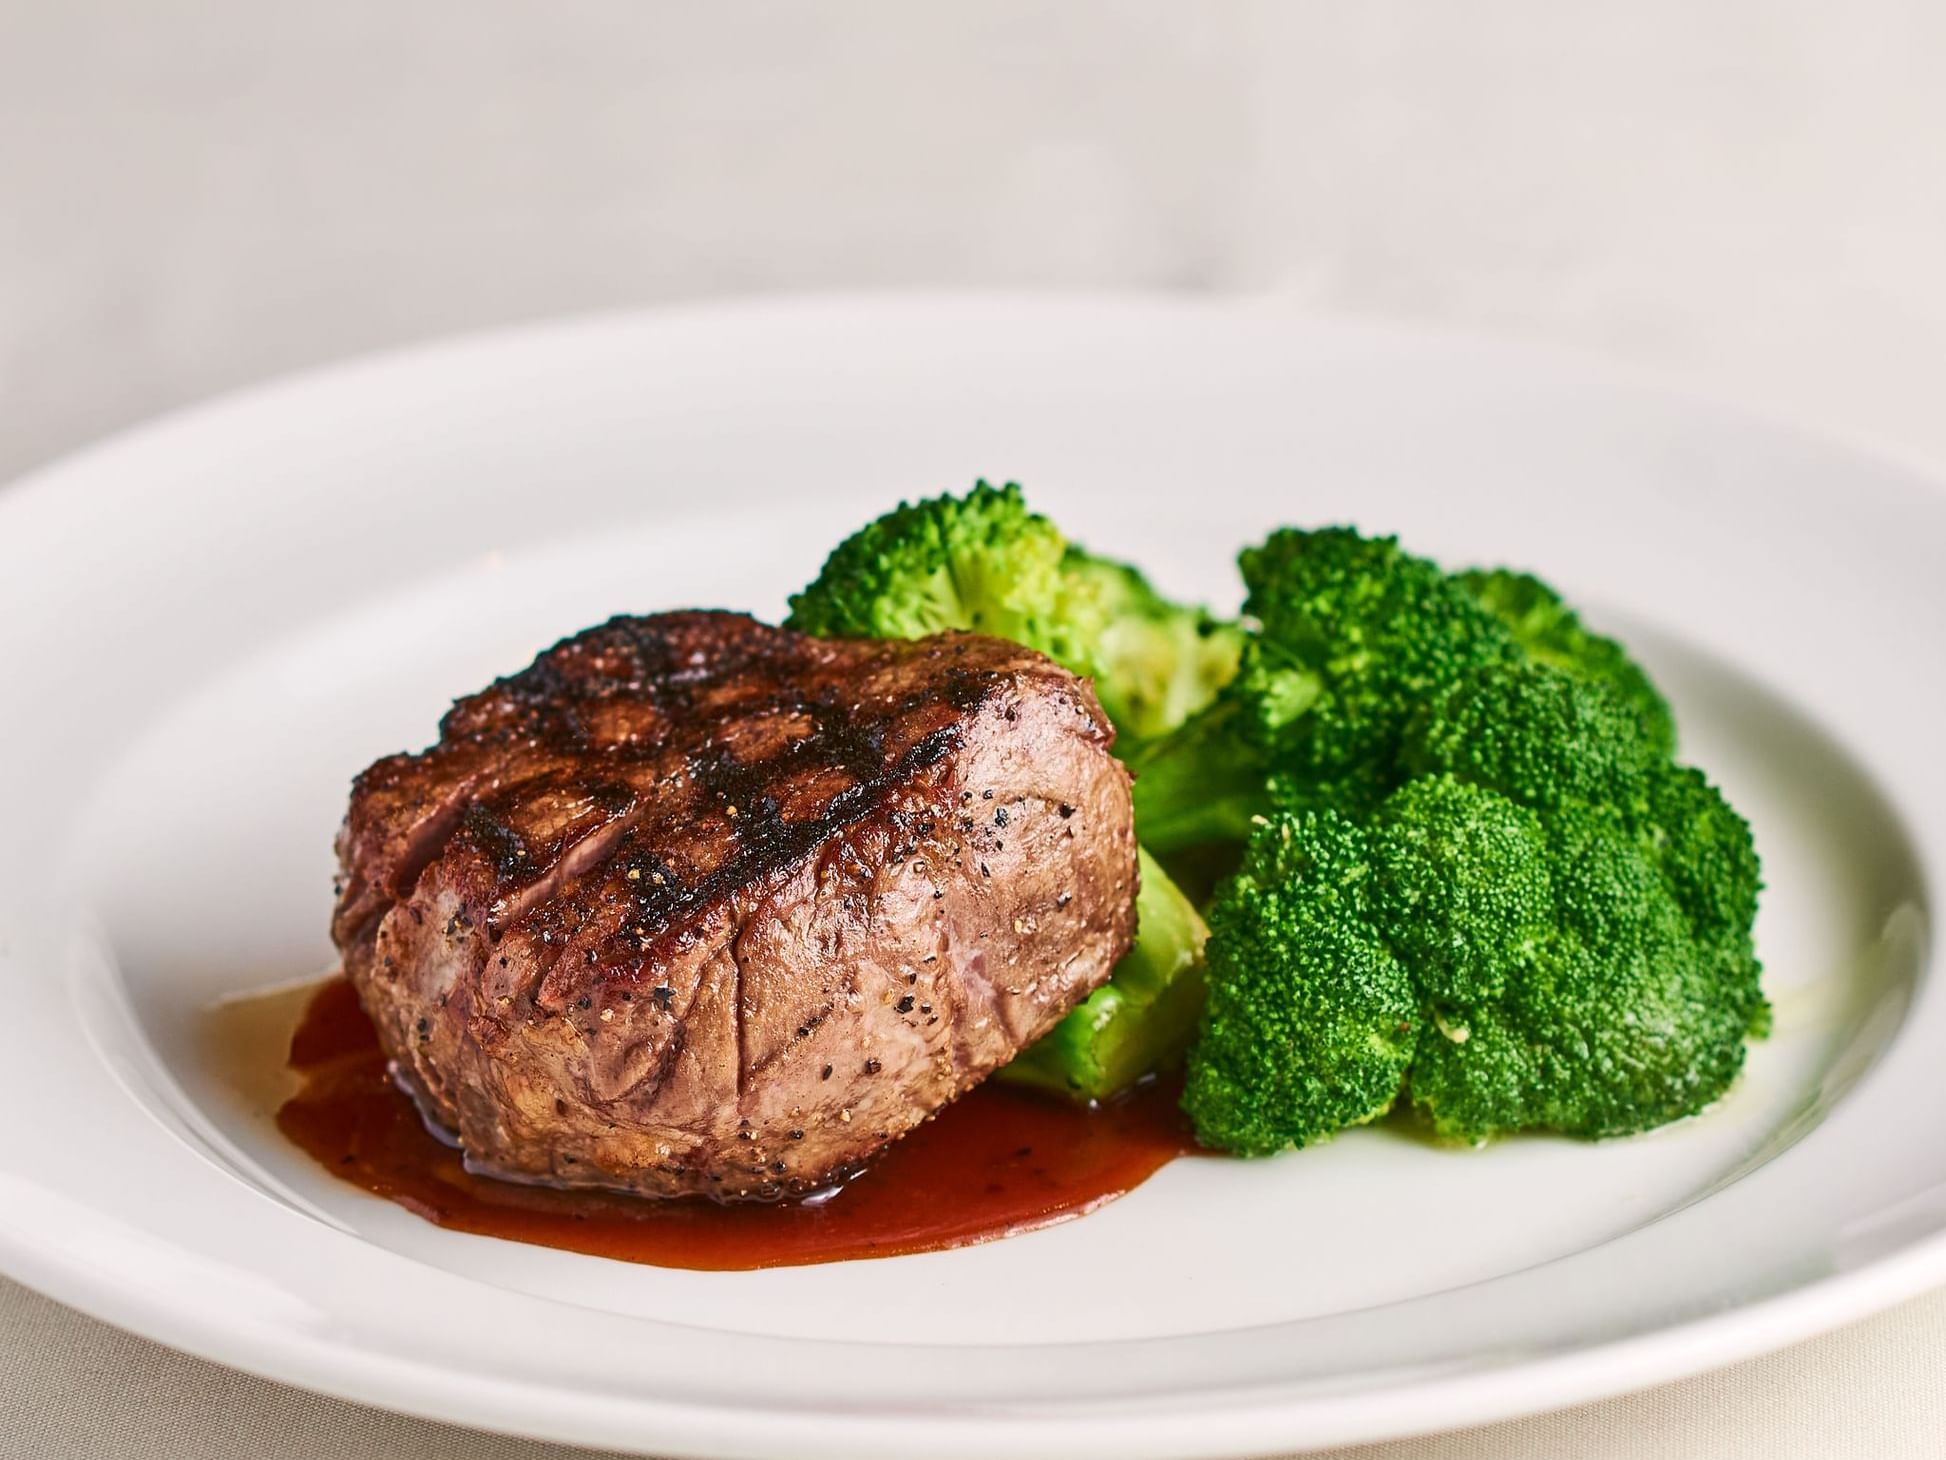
point(1748, 196)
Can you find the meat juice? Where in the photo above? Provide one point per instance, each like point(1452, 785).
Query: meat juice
point(995, 1162)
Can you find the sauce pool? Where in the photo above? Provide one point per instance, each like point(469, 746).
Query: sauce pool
point(995, 1162)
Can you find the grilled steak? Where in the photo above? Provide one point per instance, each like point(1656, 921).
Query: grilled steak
point(695, 905)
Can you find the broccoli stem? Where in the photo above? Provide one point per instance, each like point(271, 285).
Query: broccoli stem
point(1143, 1018)
point(1199, 785)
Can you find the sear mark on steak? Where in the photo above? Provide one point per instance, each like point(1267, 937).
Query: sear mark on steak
point(696, 905)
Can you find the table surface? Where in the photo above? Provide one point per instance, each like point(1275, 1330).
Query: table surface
point(203, 192)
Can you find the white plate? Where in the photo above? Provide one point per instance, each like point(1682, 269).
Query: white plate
point(212, 623)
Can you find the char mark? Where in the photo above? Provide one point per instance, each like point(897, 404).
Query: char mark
point(768, 846)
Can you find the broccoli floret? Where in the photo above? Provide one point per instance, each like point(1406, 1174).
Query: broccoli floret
point(1449, 860)
point(1311, 1020)
point(982, 562)
point(1354, 634)
point(1373, 628)
point(1635, 1011)
point(1572, 912)
point(1537, 734)
point(1553, 634)
point(987, 564)
point(1142, 1019)
point(1706, 850)
point(1628, 1016)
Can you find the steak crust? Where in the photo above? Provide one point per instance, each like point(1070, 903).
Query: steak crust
point(693, 905)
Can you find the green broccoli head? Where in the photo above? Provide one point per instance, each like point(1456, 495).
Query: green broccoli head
point(1572, 914)
point(1352, 634)
point(1311, 1019)
point(1544, 738)
point(982, 562)
point(1553, 634)
point(1706, 850)
point(1463, 890)
point(1636, 1010)
point(985, 563)
point(1535, 734)
point(1629, 1016)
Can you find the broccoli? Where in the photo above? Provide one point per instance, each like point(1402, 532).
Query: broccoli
point(1546, 926)
point(1143, 1018)
point(1552, 633)
point(1353, 634)
point(986, 563)
point(1535, 733)
point(979, 562)
point(1311, 1019)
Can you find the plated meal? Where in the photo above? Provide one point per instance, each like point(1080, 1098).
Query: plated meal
point(1401, 1035)
point(712, 913)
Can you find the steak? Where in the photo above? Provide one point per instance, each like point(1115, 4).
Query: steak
point(693, 905)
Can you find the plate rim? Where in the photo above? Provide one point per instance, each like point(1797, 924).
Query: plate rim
point(651, 1426)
